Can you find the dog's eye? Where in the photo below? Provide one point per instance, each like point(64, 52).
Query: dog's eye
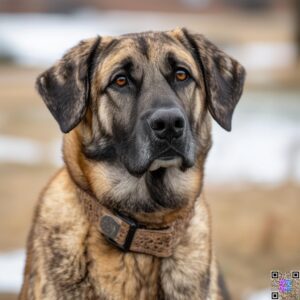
point(121, 80)
point(181, 74)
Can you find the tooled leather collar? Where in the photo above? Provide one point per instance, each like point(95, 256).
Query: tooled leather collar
point(129, 235)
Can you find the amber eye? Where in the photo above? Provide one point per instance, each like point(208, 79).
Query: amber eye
point(121, 81)
point(181, 74)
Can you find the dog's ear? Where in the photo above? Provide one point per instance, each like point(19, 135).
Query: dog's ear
point(65, 86)
point(223, 78)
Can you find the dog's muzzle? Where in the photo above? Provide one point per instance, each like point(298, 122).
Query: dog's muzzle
point(162, 139)
point(168, 133)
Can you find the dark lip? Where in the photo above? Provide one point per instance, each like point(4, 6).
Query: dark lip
point(167, 154)
point(169, 151)
point(168, 157)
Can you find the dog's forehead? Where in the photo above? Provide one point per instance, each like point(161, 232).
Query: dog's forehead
point(150, 39)
point(149, 46)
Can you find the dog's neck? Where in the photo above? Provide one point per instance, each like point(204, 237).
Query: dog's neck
point(129, 235)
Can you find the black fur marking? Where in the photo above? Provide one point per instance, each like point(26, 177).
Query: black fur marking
point(92, 62)
point(165, 38)
point(160, 193)
point(109, 48)
point(100, 150)
point(143, 46)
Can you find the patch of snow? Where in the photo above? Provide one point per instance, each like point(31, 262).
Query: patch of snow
point(264, 152)
point(260, 295)
point(55, 153)
point(264, 55)
point(20, 150)
point(264, 144)
point(29, 152)
point(11, 271)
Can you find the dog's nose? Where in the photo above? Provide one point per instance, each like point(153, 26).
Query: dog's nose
point(167, 123)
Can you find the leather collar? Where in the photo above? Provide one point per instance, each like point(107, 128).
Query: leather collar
point(128, 235)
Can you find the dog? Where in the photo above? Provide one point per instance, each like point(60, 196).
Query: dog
point(126, 218)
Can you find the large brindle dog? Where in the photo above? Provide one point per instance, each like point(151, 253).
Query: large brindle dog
point(125, 218)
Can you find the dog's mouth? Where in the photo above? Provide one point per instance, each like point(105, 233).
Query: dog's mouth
point(160, 158)
point(158, 167)
point(166, 162)
point(168, 158)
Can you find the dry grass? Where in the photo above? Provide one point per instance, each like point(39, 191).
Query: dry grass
point(19, 189)
point(256, 230)
point(8, 297)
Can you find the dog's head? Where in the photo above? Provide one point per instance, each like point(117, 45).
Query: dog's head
point(142, 102)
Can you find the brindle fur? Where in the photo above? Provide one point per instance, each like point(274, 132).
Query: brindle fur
point(67, 257)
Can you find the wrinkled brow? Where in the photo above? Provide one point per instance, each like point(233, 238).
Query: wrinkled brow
point(181, 59)
point(125, 64)
point(114, 64)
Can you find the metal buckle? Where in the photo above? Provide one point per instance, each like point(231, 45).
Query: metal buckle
point(111, 229)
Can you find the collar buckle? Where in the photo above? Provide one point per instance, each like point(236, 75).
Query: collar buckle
point(111, 228)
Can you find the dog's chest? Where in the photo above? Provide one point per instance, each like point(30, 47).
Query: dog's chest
point(116, 275)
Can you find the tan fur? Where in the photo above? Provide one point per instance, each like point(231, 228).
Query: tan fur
point(67, 257)
point(113, 274)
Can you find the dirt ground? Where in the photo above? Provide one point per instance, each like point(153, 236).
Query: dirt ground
point(256, 228)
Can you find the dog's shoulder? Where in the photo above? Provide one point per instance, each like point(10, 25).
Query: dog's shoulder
point(61, 224)
point(59, 203)
point(56, 241)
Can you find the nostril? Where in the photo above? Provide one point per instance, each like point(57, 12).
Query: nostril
point(158, 125)
point(167, 123)
point(179, 123)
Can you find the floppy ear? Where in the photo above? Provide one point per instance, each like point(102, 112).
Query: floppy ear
point(223, 78)
point(65, 86)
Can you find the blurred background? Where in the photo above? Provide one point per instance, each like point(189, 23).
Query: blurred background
point(252, 173)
